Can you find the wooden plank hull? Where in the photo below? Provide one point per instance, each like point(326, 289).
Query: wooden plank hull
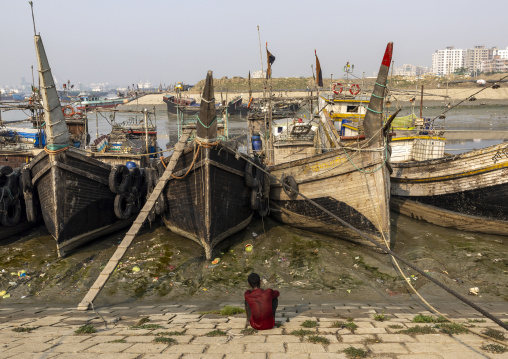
point(331, 180)
point(212, 201)
point(15, 159)
point(76, 202)
point(473, 184)
point(445, 218)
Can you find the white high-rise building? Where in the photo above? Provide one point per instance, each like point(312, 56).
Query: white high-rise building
point(445, 62)
point(503, 54)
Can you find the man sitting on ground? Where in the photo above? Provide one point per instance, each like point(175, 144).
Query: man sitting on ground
point(260, 304)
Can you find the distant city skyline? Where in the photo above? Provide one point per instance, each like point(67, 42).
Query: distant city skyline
point(125, 42)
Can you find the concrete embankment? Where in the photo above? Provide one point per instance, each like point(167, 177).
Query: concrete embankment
point(499, 96)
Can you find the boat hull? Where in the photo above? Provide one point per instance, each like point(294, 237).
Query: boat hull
point(212, 201)
point(472, 184)
point(174, 109)
point(76, 202)
point(332, 181)
point(15, 159)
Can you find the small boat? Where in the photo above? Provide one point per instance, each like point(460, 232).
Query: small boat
point(209, 197)
point(91, 102)
point(83, 195)
point(350, 181)
point(180, 104)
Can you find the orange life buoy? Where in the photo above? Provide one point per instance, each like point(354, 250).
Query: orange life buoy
point(354, 89)
point(250, 102)
point(337, 91)
point(68, 111)
point(30, 101)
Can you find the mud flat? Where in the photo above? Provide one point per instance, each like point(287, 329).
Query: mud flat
point(163, 267)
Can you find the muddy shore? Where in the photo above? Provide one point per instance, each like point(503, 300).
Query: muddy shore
point(163, 267)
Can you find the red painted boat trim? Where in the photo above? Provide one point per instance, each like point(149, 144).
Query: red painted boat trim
point(387, 59)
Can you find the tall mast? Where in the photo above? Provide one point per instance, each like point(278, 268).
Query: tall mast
point(56, 128)
point(374, 116)
point(207, 125)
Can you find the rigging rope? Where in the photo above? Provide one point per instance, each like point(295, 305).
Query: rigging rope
point(383, 248)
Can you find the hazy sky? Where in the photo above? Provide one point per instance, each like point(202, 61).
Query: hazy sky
point(127, 41)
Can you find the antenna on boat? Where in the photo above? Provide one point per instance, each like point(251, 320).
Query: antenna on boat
point(33, 18)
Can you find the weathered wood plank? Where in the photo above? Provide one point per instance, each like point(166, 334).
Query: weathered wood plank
point(120, 252)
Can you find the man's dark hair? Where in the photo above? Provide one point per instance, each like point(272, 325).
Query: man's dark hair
point(254, 280)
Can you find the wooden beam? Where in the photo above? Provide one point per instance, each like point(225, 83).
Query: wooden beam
point(136, 226)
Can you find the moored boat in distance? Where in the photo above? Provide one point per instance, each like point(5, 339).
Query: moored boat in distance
point(90, 102)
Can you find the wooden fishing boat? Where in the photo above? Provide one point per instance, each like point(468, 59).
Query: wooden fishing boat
point(81, 196)
point(350, 181)
point(465, 191)
point(208, 198)
point(177, 104)
point(188, 106)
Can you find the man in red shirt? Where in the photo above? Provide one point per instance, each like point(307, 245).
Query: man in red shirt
point(260, 304)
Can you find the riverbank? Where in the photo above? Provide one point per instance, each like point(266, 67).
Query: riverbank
point(431, 96)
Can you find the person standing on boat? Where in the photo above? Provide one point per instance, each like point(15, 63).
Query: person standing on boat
point(260, 304)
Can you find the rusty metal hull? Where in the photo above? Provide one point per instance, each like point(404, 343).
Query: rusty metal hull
point(212, 201)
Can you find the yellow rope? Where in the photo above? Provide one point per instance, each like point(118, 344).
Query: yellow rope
point(52, 152)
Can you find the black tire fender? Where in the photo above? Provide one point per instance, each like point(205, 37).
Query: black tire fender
point(11, 213)
point(136, 179)
point(252, 174)
point(293, 187)
point(12, 183)
point(123, 206)
point(119, 179)
point(5, 170)
point(135, 199)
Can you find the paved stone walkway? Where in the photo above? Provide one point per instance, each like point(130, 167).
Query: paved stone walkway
point(54, 335)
